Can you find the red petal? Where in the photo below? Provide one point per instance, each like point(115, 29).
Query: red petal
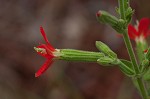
point(144, 26)
point(44, 34)
point(43, 68)
point(132, 32)
point(45, 37)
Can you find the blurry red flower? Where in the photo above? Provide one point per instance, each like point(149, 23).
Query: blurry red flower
point(140, 31)
point(45, 50)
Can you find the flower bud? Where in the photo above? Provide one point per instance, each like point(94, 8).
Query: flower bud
point(105, 61)
point(105, 49)
point(144, 66)
point(107, 18)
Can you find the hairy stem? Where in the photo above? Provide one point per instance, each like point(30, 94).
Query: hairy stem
point(142, 89)
point(136, 68)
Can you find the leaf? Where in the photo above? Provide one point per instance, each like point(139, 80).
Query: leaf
point(127, 68)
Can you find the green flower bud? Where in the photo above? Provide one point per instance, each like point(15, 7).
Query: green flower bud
point(106, 18)
point(105, 61)
point(144, 66)
point(145, 63)
point(105, 49)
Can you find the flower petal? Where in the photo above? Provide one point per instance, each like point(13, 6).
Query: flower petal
point(45, 37)
point(132, 32)
point(44, 67)
point(144, 26)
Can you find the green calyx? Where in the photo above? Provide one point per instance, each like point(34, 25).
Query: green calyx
point(106, 61)
point(111, 59)
point(144, 66)
point(78, 55)
point(106, 18)
point(119, 24)
point(141, 46)
point(105, 49)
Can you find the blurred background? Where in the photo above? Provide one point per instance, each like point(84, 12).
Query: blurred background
point(68, 24)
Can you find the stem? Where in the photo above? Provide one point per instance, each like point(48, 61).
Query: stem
point(135, 65)
point(122, 8)
point(130, 51)
point(142, 88)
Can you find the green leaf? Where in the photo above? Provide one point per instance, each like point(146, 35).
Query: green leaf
point(126, 62)
point(126, 67)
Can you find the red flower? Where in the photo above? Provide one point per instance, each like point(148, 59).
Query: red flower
point(140, 31)
point(45, 50)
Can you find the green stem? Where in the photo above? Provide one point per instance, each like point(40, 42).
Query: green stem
point(130, 51)
point(143, 91)
point(136, 68)
point(122, 7)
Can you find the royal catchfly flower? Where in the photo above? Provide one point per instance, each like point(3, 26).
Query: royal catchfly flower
point(51, 54)
point(140, 31)
point(47, 51)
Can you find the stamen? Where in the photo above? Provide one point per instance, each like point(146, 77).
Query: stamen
point(140, 39)
point(41, 50)
point(137, 24)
